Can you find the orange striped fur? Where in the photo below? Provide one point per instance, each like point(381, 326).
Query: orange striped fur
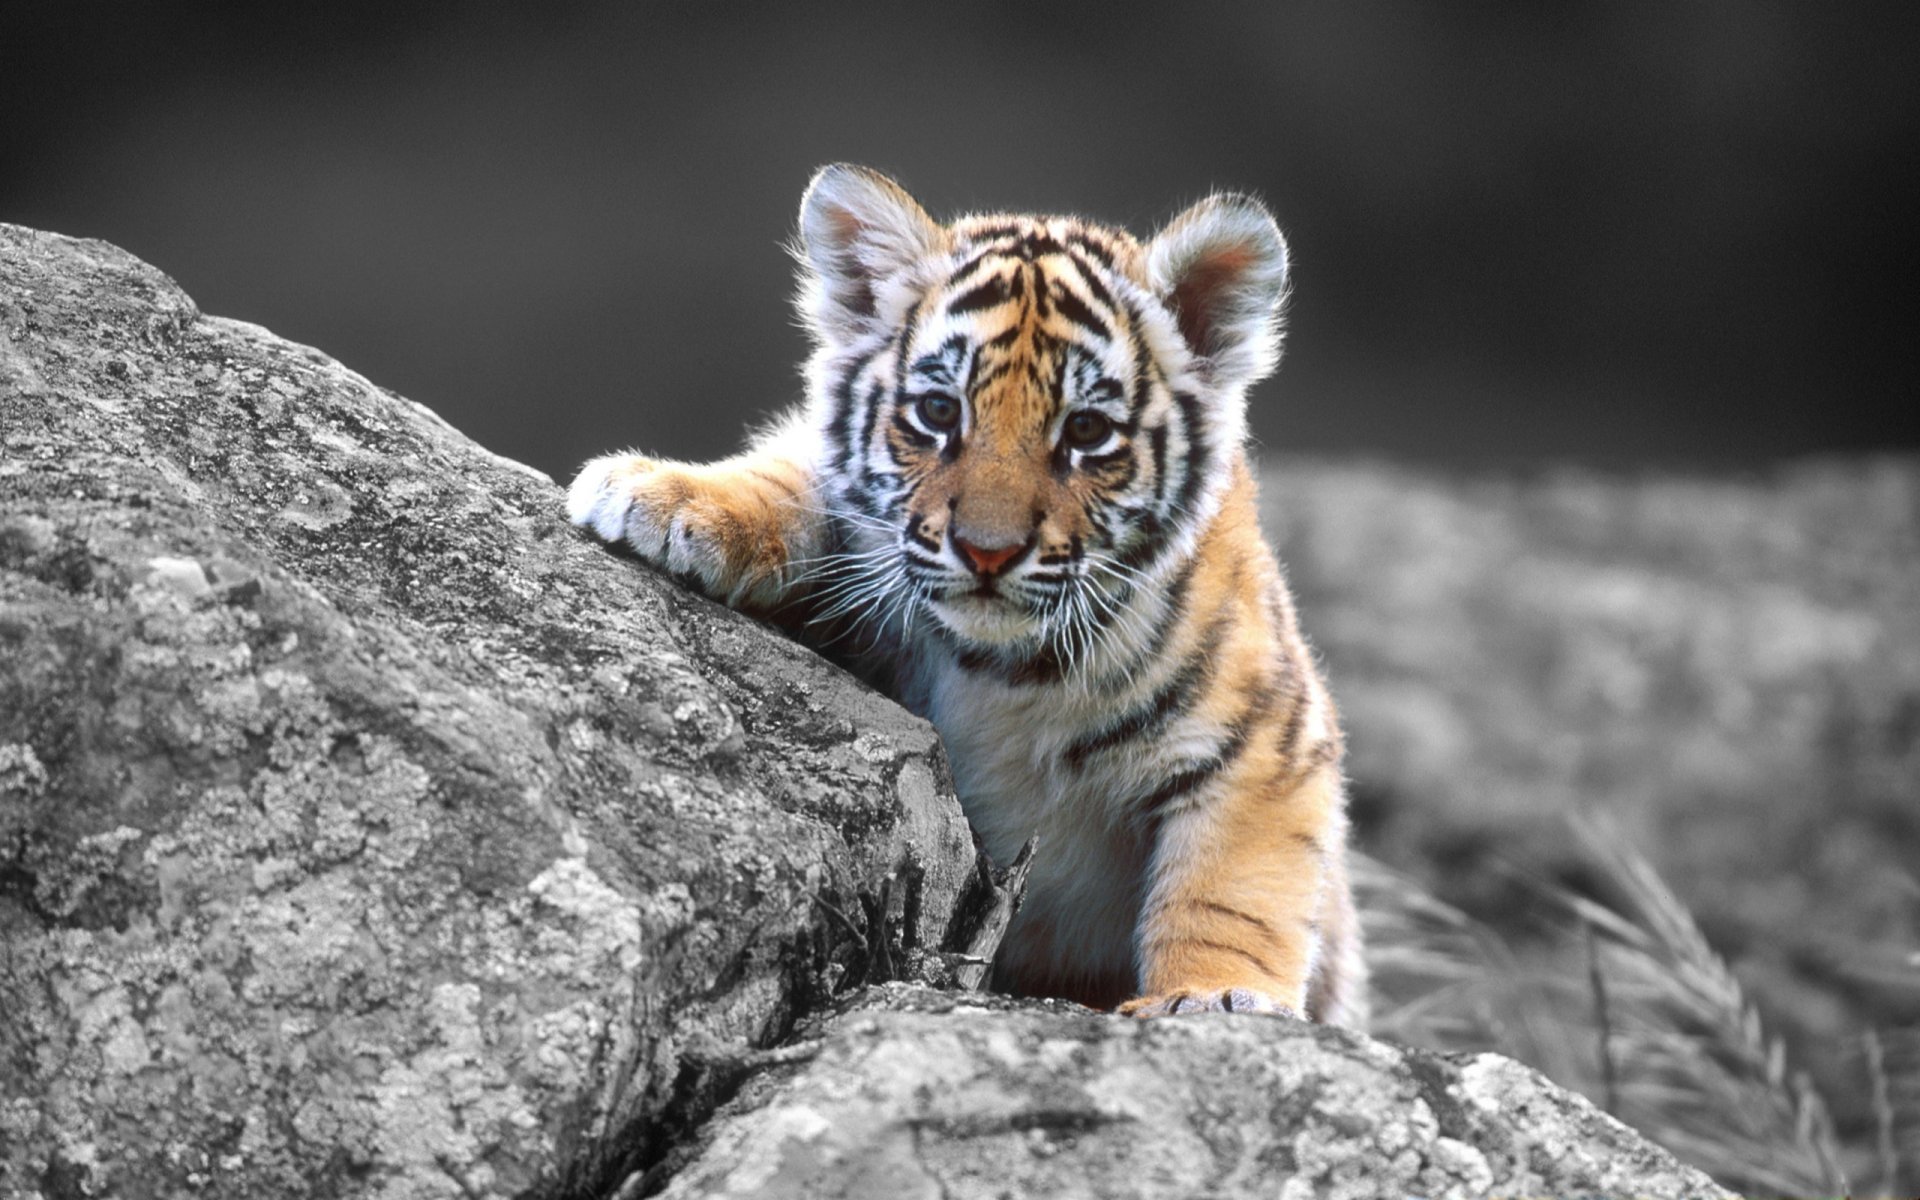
point(1017, 498)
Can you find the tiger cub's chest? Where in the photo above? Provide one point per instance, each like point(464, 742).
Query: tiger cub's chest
point(1007, 748)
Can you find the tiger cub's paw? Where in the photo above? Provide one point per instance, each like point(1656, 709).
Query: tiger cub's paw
point(1202, 1000)
point(684, 519)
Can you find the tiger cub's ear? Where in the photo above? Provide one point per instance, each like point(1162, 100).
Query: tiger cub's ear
point(1221, 267)
point(861, 238)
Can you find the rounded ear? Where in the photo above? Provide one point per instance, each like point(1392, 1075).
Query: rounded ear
point(1221, 267)
point(859, 230)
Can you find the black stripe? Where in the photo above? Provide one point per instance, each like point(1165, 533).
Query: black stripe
point(1102, 526)
point(1157, 439)
point(1176, 601)
point(1152, 533)
point(1185, 782)
point(1043, 666)
point(1196, 463)
point(1075, 309)
point(1296, 696)
point(1168, 703)
point(1176, 786)
point(913, 433)
point(841, 422)
point(1096, 462)
point(993, 291)
point(973, 661)
point(1259, 704)
point(1039, 668)
point(1230, 911)
point(1324, 752)
point(1080, 241)
point(902, 343)
point(1095, 288)
point(1249, 955)
point(1142, 384)
point(865, 504)
point(972, 264)
point(875, 394)
point(938, 366)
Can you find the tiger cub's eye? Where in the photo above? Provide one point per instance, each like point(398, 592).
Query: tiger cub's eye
point(938, 411)
point(1087, 428)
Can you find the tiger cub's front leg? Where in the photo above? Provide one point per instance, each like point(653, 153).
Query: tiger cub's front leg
point(741, 528)
point(1232, 920)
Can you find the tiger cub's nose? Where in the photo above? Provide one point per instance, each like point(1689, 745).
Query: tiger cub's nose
point(986, 560)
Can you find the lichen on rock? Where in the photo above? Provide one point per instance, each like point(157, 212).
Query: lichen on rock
point(366, 831)
point(910, 1093)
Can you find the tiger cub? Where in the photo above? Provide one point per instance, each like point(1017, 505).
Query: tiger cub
point(1017, 498)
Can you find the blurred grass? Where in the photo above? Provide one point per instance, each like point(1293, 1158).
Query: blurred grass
point(1725, 674)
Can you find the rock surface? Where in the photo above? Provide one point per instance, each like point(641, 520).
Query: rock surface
point(916, 1095)
point(364, 831)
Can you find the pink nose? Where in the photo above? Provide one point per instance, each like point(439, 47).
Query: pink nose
point(986, 561)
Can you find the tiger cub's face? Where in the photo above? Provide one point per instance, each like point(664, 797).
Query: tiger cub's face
point(1029, 417)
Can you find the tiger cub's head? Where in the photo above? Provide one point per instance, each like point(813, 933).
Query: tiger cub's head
point(1025, 418)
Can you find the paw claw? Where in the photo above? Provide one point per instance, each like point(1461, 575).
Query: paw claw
point(1235, 1000)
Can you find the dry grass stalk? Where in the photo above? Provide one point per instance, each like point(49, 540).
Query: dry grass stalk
point(1637, 1011)
point(1885, 1153)
point(1697, 1070)
point(1901, 1070)
point(1444, 980)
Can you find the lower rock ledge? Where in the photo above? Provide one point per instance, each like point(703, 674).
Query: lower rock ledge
point(911, 1093)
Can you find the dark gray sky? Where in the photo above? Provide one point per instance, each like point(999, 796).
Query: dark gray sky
point(1619, 233)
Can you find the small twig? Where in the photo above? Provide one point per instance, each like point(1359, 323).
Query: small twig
point(880, 961)
point(845, 920)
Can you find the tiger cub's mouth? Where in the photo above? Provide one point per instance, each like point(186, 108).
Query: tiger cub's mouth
point(985, 614)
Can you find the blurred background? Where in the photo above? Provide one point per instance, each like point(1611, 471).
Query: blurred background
point(1617, 233)
point(1592, 454)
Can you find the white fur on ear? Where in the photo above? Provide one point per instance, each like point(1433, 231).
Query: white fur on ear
point(1221, 267)
point(861, 238)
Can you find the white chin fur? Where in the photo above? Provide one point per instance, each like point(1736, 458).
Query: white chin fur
point(979, 619)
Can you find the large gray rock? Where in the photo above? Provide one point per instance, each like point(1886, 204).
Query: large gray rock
point(918, 1095)
point(364, 831)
